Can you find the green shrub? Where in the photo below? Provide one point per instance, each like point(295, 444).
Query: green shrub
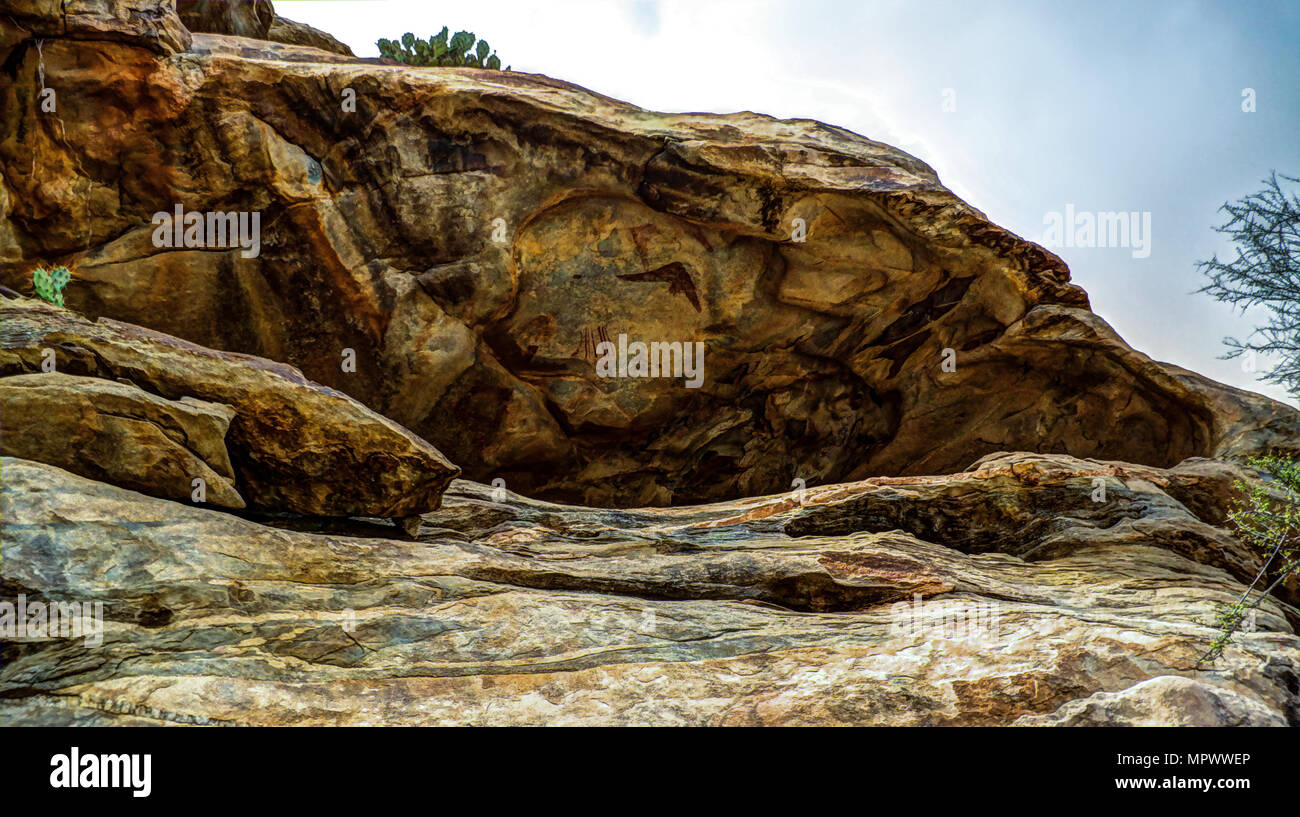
point(49, 285)
point(1267, 519)
point(462, 49)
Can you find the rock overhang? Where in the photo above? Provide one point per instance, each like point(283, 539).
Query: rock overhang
point(473, 236)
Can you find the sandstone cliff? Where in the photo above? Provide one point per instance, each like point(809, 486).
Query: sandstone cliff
point(469, 237)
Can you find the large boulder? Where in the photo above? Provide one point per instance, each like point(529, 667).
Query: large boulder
point(295, 445)
point(473, 236)
point(293, 33)
point(117, 432)
point(254, 19)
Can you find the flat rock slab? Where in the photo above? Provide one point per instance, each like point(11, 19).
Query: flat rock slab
point(521, 612)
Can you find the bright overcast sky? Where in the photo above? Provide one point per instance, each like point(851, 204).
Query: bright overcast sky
point(1106, 106)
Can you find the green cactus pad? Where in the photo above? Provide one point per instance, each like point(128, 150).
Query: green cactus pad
point(443, 48)
point(49, 284)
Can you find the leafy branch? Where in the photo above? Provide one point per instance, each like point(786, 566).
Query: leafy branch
point(1267, 519)
point(1265, 227)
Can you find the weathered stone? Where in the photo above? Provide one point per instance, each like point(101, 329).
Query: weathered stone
point(295, 445)
point(242, 18)
point(118, 433)
point(1031, 506)
point(254, 19)
point(152, 24)
point(1169, 700)
point(524, 612)
point(473, 235)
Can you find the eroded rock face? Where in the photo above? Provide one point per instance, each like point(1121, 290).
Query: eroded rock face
point(474, 236)
point(1166, 701)
point(295, 445)
point(524, 612)
point(471, 237)
point(150, 24)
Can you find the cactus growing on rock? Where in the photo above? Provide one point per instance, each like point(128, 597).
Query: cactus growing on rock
point(442, 49)
point(49, 284)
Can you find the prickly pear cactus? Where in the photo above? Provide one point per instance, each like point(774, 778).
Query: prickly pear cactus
point(444, 48)
point(49, 285)
point(461, 42)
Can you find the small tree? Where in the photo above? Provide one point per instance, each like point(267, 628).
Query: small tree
point(1268, 520)
point(1265, 227)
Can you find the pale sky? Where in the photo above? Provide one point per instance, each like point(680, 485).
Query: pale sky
point(1106, 106)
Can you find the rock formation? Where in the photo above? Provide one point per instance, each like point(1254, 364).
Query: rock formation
point(469, 239)
point(250, 18)
point(255, 19)
point(149, 24)
point(523, 612)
